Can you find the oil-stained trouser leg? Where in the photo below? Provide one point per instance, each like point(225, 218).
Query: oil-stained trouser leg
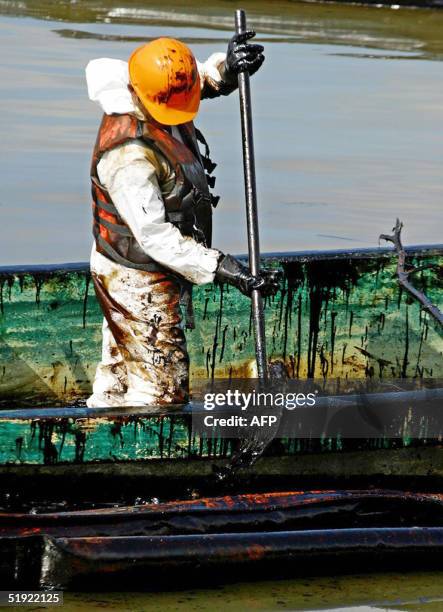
point(110, 383)
point(143, 314)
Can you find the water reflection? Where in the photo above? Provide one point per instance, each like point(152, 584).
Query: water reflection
point(189, 40)
point(81, 34)
point(407, 29)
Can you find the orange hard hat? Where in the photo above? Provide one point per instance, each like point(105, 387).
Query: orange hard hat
point(165, 78)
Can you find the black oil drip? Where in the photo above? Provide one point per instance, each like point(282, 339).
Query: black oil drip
point(10, 283)
point(38, 281)
point(216, 334)
point(19, 447)
point(424, 327)
point(288, 309)
point(214, 349)
point(381, 322)
point(9, 280)
point(323, 363)
point(45, 433)
point(323, 279)
point(333, 333)
point(80, 446)
point(351, 320)
point(223, 343)
point(405, 357)
point(281, 305)
point(85, 298)
point(294, 280)
point(208, 361)
point(116, 432)
point(299, 335)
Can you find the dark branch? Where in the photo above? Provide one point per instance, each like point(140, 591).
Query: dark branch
point(424, 267)
point(403, 274)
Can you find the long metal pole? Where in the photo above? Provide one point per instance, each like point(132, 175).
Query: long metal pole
point(251, 206)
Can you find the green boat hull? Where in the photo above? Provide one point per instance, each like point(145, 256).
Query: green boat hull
point(339, 315)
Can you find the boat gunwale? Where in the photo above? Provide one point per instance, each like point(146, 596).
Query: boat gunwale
point(283, 256)
point(197, 407)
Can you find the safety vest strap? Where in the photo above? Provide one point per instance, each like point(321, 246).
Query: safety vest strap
point(151, 266)
point(122, 230)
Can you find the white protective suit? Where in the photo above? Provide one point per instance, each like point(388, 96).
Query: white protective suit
point(144, 357)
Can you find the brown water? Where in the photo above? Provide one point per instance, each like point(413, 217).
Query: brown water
point(361, 593)
point(348, 115)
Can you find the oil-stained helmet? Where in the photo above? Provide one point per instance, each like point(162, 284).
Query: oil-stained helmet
point(165, 78)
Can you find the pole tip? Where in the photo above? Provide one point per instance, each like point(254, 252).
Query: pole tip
point(240, 21)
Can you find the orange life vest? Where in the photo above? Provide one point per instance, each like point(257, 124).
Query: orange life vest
point(188, 205)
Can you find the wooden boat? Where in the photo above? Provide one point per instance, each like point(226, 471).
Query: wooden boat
point(340, 316)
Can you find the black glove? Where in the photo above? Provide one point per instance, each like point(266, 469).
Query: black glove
point(242, 56)
point(230, 270)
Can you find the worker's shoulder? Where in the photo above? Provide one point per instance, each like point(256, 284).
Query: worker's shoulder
point(131, 152)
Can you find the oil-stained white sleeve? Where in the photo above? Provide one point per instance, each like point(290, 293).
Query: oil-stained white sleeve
point(214, 80)
point(132, 184)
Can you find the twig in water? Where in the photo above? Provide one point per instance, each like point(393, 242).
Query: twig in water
point(403, 274)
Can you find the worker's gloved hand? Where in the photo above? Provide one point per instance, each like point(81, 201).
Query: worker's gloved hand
point(230, 270)
point(243, 57)
point(271, 281)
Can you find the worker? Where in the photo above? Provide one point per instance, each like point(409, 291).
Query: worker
point(152, 214)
